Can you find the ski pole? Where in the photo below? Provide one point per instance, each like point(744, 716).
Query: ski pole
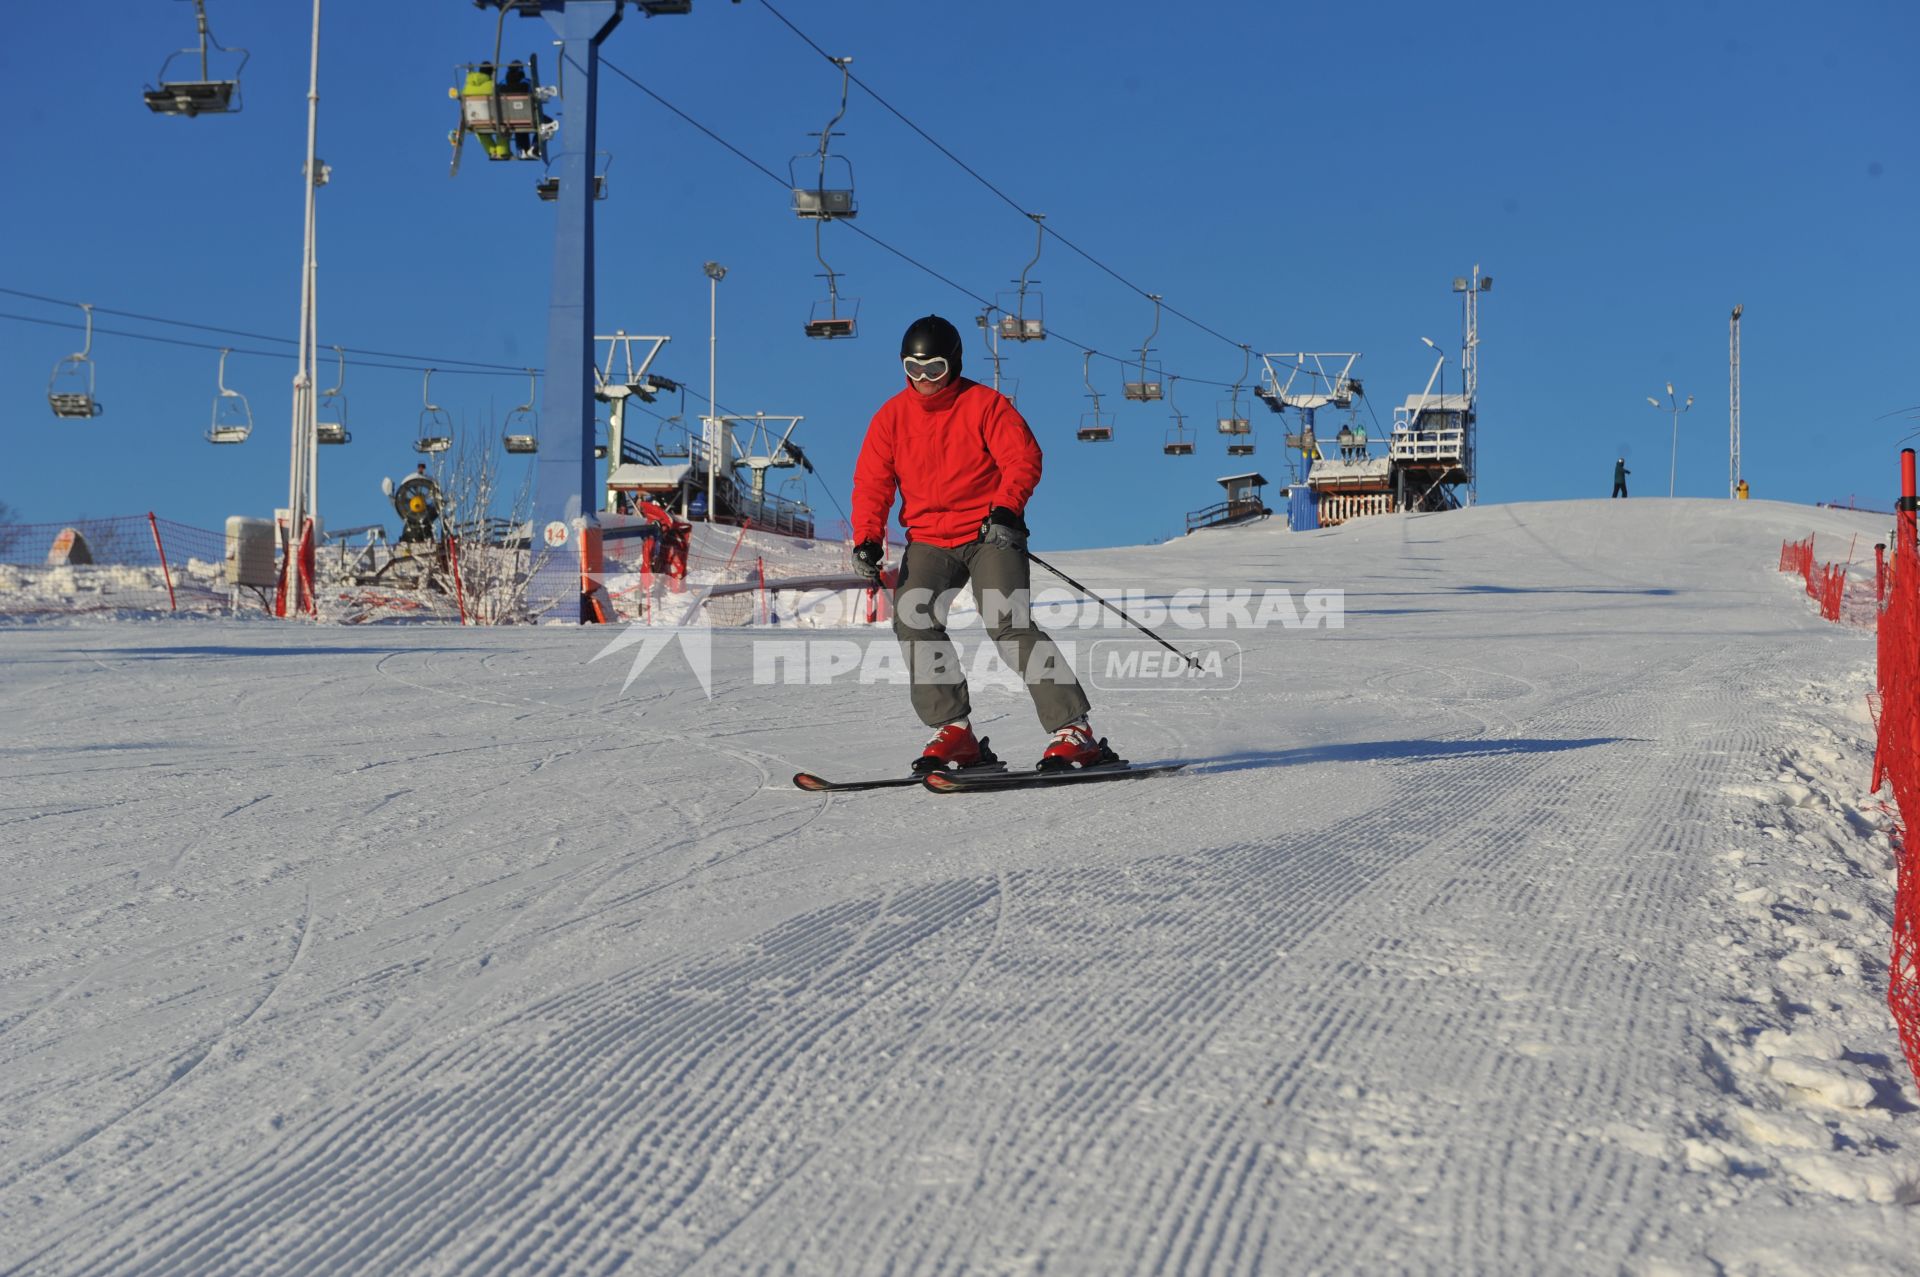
point(1032, 557)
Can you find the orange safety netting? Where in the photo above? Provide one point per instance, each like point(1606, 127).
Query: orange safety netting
point(1826, 582)
point(1897, 760)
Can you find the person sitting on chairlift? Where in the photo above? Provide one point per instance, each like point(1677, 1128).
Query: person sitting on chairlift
point(480, 85)
point(526, 145)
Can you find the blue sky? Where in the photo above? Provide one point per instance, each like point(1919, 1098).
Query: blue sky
point(1293, 177)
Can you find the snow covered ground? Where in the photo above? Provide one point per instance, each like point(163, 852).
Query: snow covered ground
point(1532, 922)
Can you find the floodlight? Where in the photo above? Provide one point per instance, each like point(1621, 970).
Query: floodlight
point(1653, 401)
point(1459, 283)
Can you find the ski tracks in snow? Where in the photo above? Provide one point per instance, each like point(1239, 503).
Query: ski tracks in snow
point(1426, 990)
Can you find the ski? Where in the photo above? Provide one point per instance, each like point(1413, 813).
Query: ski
point(821, 785)
point(961, 783)
point(989, 765)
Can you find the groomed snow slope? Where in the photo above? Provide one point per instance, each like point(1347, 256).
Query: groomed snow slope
point(1532, 922)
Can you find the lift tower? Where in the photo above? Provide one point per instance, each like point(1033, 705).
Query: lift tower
point(565, 498)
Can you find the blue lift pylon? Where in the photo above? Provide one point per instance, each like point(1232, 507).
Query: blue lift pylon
point(565, 491)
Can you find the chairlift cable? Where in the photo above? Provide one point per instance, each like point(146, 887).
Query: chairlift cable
point(237, 332)
point(869, 235)
point(975, 174)
point(477, 370)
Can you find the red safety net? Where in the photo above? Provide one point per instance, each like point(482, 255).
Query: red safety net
point(1797, 557)
point(1826, 582)
point(1897, 760)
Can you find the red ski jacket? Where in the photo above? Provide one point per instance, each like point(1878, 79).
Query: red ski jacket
point(950, 456)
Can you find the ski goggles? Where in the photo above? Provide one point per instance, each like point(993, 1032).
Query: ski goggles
point(925, 369)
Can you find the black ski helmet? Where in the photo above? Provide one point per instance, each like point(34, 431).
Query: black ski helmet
point(931, 337)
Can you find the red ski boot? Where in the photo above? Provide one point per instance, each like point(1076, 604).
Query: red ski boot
point(952, 747)
point(1073, 746)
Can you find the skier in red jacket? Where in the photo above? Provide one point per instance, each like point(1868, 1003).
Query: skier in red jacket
point(963, 463)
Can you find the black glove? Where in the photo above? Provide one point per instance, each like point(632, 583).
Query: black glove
point(1003, 529)
point(867, 557)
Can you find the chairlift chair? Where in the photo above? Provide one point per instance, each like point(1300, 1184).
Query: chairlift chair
point(831, 194)
point(1148, 387)
point(839, 312)
point(505, 112)
point(838, 319)
point(1232, 417)
point(70, 388)
point(672, 439)
point(436, 423)
point(1023, 320)
point(507, 118)
point(521, 435)
point(206, 95)
point(330, 425)
point(1095, 427)
point(548, 187)
point(1240, 439)
point(1179, 439)
point(232, 418)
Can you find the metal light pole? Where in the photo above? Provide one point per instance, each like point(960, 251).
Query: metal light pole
point(1733, 402)
point(303, 495)
point(1438, 368)
point(1673, 462)
point(715, 273)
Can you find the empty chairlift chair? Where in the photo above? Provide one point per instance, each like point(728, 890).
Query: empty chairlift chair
point(834, 316)
point(1179, 439)
point(1022, 312)
point(1236, 426)
point(232, 418)
point(1148, 387)
point(548, 187)
point(208, 95)
point(1232, 415)
point(522, 433)
point(436, 424)
point(672, 439)
point(70, 388)
point(830, 192)
point(822, 187)
point(1095, 427)
point(330, 426)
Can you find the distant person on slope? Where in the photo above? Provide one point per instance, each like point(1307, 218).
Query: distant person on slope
point(1620, 473)
point(964, 464)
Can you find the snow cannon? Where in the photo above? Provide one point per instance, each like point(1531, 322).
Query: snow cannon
point(416, 499)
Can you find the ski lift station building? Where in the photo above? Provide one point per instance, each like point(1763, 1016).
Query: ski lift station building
point(1428, 464)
